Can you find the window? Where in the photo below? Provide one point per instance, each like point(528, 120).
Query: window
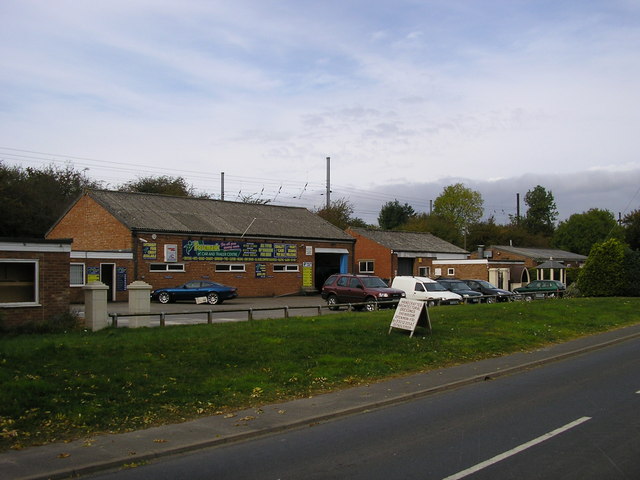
point(451, 272)
point(76, 275)
point(286, 268)
point(19, 282)
point(366, 266)
point(166, 267)
point(424, 271)
point(230, 267)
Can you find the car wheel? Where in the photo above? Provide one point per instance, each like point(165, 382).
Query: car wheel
point(332, 301)
point(490, 300)
point(431, 303)
point(528, 298)
point(213, 298)
point(164, 297)
point(370, 305)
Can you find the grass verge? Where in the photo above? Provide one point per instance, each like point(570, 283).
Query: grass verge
point(64, 386)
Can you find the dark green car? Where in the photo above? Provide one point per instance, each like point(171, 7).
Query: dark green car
point(541, 289)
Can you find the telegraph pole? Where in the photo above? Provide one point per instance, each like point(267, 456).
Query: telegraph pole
point(328, 182)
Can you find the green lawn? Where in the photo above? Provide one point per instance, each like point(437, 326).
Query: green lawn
point(64, 386)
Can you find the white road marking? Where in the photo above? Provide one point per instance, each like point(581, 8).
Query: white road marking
point(518, 449)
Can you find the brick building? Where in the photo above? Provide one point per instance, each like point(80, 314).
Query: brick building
point(263, 250)
point(34, 280)
point(388, 253)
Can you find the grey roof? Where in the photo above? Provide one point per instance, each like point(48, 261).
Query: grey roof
point(542, 254)
point(551, 264)
point(163, 213)
point(400, 241)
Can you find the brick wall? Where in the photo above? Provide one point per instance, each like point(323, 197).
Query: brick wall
point(462, 269)
point(53, 288)
point(366, 249)
point(92, 228)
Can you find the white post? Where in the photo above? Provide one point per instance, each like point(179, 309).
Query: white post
point(95, 306)
point(139, 302)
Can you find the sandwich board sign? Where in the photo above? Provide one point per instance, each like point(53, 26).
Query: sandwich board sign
point(411, 314)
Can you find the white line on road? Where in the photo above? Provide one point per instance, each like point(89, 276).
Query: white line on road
point(518, 449)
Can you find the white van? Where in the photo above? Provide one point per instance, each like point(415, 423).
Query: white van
point(423, 288)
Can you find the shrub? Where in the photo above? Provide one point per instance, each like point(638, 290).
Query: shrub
point(603, 274)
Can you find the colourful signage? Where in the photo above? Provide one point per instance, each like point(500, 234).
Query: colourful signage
point(239, 251)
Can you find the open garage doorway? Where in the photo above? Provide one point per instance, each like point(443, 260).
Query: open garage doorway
point(328, 262)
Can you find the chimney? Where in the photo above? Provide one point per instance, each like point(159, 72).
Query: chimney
point(481, 251)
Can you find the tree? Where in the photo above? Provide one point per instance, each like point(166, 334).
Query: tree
point(33, 199)
point(604, 272)
point(436, 225)
point(460, 205)
point(542, 211)
point(176, 186)
point(339, 213)
point(393, 215)
point(631, 223)
point(582, 230)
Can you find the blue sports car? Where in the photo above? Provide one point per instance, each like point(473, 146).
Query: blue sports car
point(215, 293)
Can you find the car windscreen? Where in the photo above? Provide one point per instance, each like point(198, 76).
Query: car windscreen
point(485, 284)
point(434, 287)
point(457, 286)
point(373, 282)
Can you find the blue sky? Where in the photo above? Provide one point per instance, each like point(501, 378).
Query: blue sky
point(404, 96)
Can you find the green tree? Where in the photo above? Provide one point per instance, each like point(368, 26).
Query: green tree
point(604, 273)
point(340, 214)
point(33, 199)
point(165, 185)
point(542, 211)
point(436, 225)
point(631, 223)
point(461, 206)
point(581, 230)
point(393, 215)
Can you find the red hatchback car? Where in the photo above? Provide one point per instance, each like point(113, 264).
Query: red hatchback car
point(364, 290)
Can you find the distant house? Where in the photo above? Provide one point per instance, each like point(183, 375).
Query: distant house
point(388, 253)
point(34, 280)
point(263, 250)
point(548, 262)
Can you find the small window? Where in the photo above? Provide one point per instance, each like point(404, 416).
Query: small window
point(166, 267)
point(424, 271)
point(19, 282)
point(287, 267)
point(366, 266)
point(230, 267)
point(76, 275)
point(451, 272)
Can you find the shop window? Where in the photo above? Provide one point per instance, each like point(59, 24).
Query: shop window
point(166, 267)
point(451, 272)
point(230, 267)
point(19, 282)
point(424, 271)
point(76, 275)
point(366, 266)
point(287, 267)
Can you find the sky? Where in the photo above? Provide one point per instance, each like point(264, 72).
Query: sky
point(404, 96)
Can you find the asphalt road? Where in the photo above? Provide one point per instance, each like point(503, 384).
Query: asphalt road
point(575, 419)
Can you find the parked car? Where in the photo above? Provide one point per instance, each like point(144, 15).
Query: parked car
point(215, 293)
point(363, 289)
point(491, 292)
point(425, 289)
point(541, 288)
point(461, 288)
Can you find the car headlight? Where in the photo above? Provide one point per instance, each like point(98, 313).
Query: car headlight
point(384, 295)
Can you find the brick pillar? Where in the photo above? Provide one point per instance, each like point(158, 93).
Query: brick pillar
point(95, 305)
point(139, 302)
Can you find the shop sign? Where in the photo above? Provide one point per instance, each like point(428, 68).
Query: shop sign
point(150, 251)
point(239, 251)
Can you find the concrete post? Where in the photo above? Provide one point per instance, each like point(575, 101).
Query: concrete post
point(95, 306)
point(139, 302)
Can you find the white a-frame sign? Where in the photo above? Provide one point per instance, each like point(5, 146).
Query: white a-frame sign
point(411, 314)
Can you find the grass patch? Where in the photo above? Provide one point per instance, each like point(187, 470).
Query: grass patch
point(64, 386)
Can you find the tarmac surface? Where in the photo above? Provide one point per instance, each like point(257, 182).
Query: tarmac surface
point(113, 451)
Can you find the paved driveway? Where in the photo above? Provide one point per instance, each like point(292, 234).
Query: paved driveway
point(238, 309)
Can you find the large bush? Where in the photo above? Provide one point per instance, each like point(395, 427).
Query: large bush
point(604, 273)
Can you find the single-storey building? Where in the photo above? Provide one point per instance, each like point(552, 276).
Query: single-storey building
point(34, 280)
point(263, 250)
point(389, 253)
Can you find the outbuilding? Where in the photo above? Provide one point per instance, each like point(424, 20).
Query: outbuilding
point(263, 250)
